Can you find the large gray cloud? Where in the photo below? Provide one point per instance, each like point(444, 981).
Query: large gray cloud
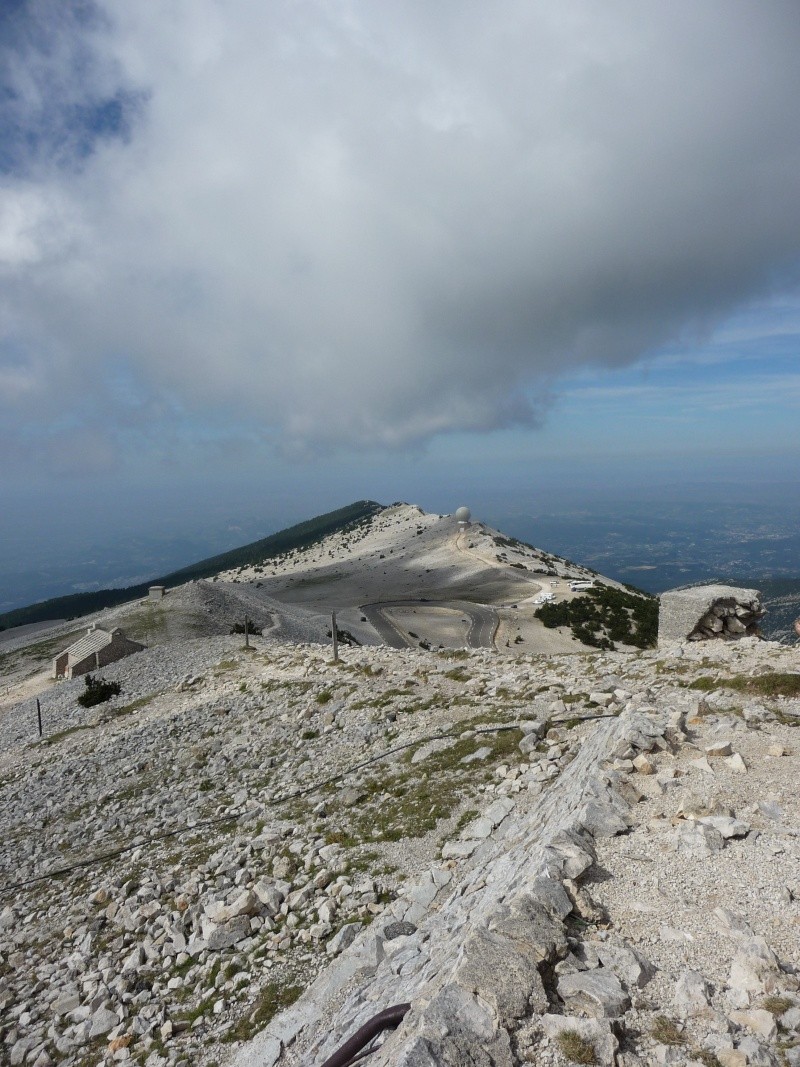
point(370, 223)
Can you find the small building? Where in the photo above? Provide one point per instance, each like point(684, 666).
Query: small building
point(94, 650)
point(156, 592)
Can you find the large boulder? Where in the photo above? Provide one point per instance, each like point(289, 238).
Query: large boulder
point(707, 612)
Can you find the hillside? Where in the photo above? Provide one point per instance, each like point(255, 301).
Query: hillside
point(298, 536)
point(239, 829)
point(394, 575)
point(555, 850)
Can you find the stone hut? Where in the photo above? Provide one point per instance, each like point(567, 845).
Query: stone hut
point(156, 592)
point(709, 612)
point(94, 650)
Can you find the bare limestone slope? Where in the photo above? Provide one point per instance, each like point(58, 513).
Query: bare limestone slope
point(519, 846)
point(583, 857)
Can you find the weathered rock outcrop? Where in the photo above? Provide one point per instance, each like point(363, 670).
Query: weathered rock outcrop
point(481, 962)
point(709, 612)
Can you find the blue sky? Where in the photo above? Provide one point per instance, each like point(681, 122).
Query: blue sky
point(269, 260)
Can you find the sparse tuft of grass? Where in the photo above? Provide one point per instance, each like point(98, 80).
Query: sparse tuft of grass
point(134, 705)
point(324, 697)
point(272, 999)
point(666, 1031)
point(777, 1005)
point(576, 1048)
point(704, 684)
point(705, 1057)
point(53, 739)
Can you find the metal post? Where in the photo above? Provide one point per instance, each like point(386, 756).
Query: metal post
point(246, 632)
point(335, 635)
point(39, 715)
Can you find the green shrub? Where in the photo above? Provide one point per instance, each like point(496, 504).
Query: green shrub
point(253, 631)
point(98, 691)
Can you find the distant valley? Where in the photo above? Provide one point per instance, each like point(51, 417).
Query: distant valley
point(652, 546)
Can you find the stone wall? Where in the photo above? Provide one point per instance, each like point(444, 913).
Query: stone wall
point(709, 612)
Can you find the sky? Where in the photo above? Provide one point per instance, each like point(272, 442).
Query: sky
point(260, 260)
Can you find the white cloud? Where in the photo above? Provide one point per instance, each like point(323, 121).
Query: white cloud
point(369, 223)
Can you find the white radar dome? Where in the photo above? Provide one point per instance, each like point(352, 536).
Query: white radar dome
point(463, 515)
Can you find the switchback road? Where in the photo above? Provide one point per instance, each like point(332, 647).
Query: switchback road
point(482, 621)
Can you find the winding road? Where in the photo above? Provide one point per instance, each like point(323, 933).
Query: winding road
point(483, 621)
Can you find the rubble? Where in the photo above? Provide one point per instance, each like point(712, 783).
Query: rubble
point(232, 872)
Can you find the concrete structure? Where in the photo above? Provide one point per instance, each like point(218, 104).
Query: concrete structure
point(709, 612)
point(156, 592)
point(94, 650)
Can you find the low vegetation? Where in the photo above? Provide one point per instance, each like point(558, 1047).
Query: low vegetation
point(98, 691)
point(766, 685)
point(274, 997)
point(605, 616)
point(666, 1031)
point(576, 1048)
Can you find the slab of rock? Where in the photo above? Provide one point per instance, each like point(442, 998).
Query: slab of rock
point(596, 993)
point(754, 971)
point(692, 995)
point(630, 966)
point(736, 763)
point(225, 936)
point(759, 1020)
point(727, 826)
point(102, 1021)
point(343, 939)
point(708, 612)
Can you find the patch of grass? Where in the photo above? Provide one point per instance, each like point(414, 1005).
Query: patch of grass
point(411, 802)
point(777, 1005)
point(458, 674)
point(53, 739)
point(767, 685)
point(705, 1057)
point(192, 1014)
point(272, 999)
point(324, 697)
point(226, 665)
point(142, 702)
point(309, 735)
point(146, 622)
point(465, 819)
point(576, 1048)
point(704, 684)
point(666, 1031)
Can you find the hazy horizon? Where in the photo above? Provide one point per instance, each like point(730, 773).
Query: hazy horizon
point(259, 262)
